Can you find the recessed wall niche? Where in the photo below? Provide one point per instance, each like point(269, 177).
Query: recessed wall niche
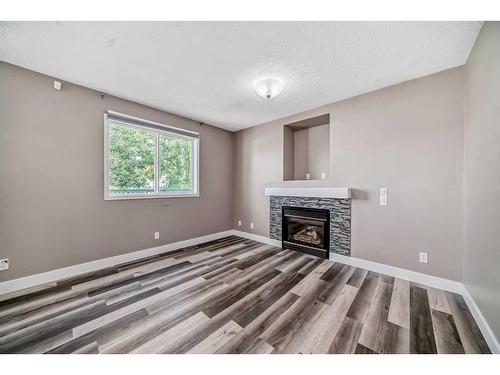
point(306, 149)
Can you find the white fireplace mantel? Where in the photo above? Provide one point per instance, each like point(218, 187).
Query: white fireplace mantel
point(315, 192)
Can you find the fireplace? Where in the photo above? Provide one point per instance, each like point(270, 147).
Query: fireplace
point(306, 230)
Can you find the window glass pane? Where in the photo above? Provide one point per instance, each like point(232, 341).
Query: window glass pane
point(175, 160)
point(131, 160)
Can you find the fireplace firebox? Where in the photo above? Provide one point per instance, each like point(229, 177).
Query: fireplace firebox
point(306, 230)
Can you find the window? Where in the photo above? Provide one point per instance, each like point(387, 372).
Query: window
point(144, 159)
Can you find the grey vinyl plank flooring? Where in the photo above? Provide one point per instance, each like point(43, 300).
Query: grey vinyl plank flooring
point(357, 277)
point(282, 333)
point(374, 331)
point(399, 311)
point(72, 344)
point(317, 337)
point(363, 301)
point(234, 295)
point(336, 284)
point(447, 336)
point(270, 295)
point(250, 335)
point(217, 339)
point(347, 337)
point(470, 335)
point(360, 349)
point(422, 339)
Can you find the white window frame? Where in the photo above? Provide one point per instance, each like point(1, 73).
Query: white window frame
point(157, 129)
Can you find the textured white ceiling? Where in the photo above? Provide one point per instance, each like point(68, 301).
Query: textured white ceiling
point(205, 70)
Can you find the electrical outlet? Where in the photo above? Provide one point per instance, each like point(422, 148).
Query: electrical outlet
point(383, 196)
point(323, 176)
point(251, 225)
point(239, 223)
point(4, 264)
point(423, 258)
point(308, 176)
point(157, 235)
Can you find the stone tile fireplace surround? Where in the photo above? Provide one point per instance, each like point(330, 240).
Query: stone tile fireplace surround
point(338, 202)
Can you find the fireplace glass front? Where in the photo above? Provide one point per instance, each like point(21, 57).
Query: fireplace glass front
point(306, 230)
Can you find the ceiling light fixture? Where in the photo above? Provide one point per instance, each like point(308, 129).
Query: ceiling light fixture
point(268, 88)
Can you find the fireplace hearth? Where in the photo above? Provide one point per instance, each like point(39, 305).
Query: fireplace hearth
point(306, 230)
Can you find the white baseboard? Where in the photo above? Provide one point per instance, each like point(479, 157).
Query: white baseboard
point(486, 330)
point(401, 273)
point(79, 269)
point(256, 237)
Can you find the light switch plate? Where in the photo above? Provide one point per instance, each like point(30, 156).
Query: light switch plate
point(239, 223)
point(157, 235)
point(423, 258)
point(383, 196)
point(251, 225)
point(4, 264)
point(57, 85)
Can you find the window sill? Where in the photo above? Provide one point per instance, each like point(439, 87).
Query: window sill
point(112, 198)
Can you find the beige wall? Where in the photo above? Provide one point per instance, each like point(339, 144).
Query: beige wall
point(407, 137)
point(52, 211)
point(319, 150)
point(301, 153)
point(288, 154)
point(311, 151)
point(481, 260)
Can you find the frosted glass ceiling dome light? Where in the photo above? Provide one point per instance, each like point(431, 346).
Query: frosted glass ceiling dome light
point(268, 88)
